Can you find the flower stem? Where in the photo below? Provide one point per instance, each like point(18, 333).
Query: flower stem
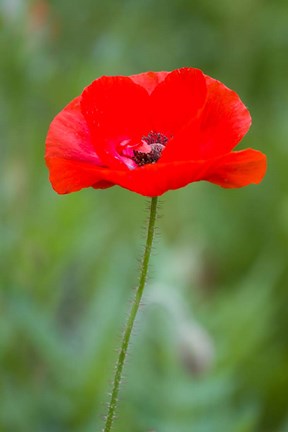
point(129, 326)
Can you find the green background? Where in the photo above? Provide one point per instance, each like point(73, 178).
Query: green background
point(210, 346)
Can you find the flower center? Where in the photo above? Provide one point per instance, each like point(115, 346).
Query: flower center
point(154, 143)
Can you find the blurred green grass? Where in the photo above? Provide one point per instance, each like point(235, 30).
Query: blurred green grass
point(210, 348)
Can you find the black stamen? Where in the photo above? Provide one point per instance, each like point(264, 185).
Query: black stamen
point(157, 143)
point(148, 158)
point(155, 137)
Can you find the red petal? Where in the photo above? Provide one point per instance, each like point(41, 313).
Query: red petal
point(224, 121)
point(115, 109)
point(177, 99)
point(232, 170)
point(155, 179)
point(149, 80)
point(68, 175)
point(221, 125)
point(152, 180)
point(238, 169)
point(70, 155)
point(68, 136)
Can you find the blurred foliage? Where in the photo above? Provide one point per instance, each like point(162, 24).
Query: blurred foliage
point(210, 348)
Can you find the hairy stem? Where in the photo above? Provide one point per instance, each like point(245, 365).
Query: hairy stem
point(133, 312)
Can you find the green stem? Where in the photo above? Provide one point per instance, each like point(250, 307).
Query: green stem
point(129, 326)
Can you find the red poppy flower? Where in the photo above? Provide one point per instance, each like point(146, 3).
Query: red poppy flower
point(150, 133)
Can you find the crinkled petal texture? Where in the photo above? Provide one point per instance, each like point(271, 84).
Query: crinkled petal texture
point(202, 119)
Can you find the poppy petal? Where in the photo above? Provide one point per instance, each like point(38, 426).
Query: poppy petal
point(149, 80)
point(116, 109)
point(68, 175)
point(232, 170)
point(225, 120)
point(177, 99)
point(238, 169)
point(68, 136)
point(219, 128)
point(153, 180)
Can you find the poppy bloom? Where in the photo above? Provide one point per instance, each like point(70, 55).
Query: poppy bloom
point(151, 133)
